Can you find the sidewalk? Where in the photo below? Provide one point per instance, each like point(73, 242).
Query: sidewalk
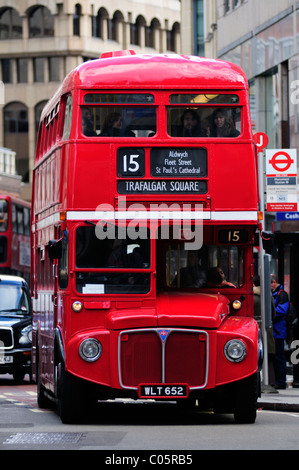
point(280, 400)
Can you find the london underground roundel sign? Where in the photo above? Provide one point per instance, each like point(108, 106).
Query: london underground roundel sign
point(281, 179)
point(281, 162)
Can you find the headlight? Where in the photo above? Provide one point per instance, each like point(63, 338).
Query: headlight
point(77, 306)
point(90, 349)
point(235, 350)
point(236, 305)
point(26, 335)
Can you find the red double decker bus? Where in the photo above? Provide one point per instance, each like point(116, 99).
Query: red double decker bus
point(14, 236)
point(144, 211)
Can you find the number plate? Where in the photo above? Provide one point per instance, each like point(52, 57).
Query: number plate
point(6, 359)
point(163, 391)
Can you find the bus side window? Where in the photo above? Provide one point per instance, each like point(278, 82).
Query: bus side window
point(14, 218)
point(63, 267)
point(3, 215)
point(67, 117)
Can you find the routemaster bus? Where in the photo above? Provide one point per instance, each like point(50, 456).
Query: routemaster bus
point(14, 236)
point(144, 211)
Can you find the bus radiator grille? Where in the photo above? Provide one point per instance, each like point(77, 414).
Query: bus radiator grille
point(181, 357)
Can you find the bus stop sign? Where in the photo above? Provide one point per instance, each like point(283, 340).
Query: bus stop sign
point(281, 176)
point(261, 140)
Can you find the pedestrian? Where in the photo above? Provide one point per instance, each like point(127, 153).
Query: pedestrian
point(281, 302)
point(269, 330)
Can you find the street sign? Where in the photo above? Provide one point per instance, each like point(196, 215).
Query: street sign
point(281, 180)
point(287, 216)
point(261, 140)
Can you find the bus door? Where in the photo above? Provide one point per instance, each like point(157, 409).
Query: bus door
point(59, 255)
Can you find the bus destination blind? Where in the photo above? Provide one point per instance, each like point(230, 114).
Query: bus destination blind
point(175, 171)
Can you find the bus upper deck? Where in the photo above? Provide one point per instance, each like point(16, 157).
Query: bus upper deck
point(155, 134)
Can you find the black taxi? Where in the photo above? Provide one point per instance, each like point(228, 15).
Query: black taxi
point(15, 327)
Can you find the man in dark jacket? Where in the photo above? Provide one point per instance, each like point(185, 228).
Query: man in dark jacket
point(281, 301)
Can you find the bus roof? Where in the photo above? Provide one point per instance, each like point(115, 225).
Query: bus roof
point(125, 70)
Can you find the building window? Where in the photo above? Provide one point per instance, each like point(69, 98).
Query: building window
point(41, 22)
point(54, 69)
point(39, 69)
point(6, 70)
point(98, 23)
point(22, 70)
point(149, 37)
point(76, 20)
point(171, 37)
point(113, 26)
point(10, 24)
point(16, 135)
point(199, 45)
point(133, 34)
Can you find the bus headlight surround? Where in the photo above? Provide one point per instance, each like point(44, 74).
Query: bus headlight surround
point(235, 350)
point(90, 349)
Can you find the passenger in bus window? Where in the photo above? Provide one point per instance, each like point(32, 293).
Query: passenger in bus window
point(117, 254)
point(222, 125)
point(112, 126)
point(87, 123)
point(190, 125)
point(216, 278)
point(192, 275)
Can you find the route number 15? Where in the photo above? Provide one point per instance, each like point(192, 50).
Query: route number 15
point(130, 162)
point(233, 236)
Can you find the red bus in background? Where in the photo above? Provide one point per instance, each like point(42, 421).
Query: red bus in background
point(144, 211)
point(14, 236)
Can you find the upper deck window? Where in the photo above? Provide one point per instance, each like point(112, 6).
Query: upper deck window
point(119, 98)
point(204, 121)
point(68, 117)
point(118, 121)
point(196, 98)
point(3, 215)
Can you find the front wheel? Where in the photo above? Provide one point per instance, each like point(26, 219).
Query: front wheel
point(69, 397)
point(75, 402)
point(247, 391)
